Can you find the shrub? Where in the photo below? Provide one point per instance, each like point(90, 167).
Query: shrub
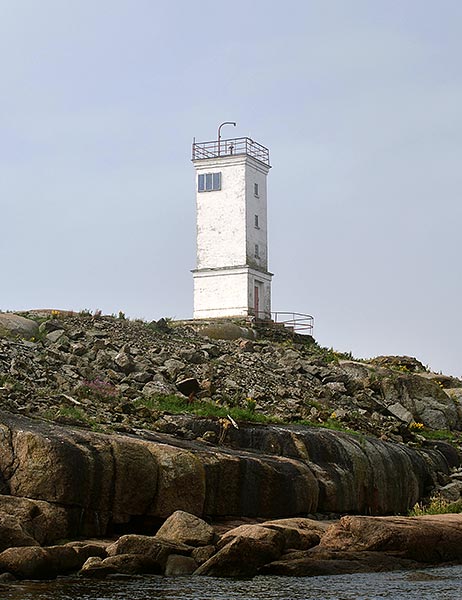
point(436, 506)
point(100, 389)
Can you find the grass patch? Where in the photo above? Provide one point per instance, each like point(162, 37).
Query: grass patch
point(436, 506)
point(70, 415)
point(329, 355)
point(333, 424)
point(74, 413)
point(438, 434)
point(201, 408)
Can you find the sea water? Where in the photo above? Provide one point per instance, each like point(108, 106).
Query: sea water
point(443, 583)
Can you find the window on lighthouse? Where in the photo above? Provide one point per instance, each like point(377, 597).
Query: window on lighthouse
point(209, 182)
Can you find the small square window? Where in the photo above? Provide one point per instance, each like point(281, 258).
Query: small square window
point(256, 225)
point(255, 190)
point(209, 182)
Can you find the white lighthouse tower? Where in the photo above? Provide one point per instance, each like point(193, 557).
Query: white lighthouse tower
point(231, 278)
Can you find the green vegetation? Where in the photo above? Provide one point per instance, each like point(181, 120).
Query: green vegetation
point(436, 506)
point(11, 383)
point(330, 423)
point(438, 434)
point(73, 412)
point(76, 416)
point(176, 405)
point(315, 404)
point(251, 405)
point(329, 355)
point(375, 379)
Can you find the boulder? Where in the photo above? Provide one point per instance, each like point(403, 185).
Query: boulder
point(426, 539)
point(227, 331)
point(401, 413)
point(55, 335)
point(319, 562)
point(242, 557)
point(50, 325)
point(405, 363)
point(39, 563)
point(85, 550)
point(13, 535)
point(357, 372)
point(456, 395)
point(451, 492)
point(302, 524)
point(65, 559)
point(45, 563)
point(203, 553)
point(269, 537)
point(92, 567)
point(423, 398)
point(174, 367)
point(124, 362)
point(445, 381)
point(179, 565)
point(11, 324)
point(158, 387)
point(152, 547)
point(184, 528)
point(28, 563)
point(127, 564)
point(25, 522)
point(298, 533)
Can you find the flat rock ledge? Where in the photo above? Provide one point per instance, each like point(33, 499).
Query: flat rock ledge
point(290, 547)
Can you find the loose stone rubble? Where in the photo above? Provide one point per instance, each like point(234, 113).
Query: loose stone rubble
point(105, 368)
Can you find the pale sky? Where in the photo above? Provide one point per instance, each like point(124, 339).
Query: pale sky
point(359, 102)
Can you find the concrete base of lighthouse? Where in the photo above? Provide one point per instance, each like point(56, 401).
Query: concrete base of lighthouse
point(232, 292)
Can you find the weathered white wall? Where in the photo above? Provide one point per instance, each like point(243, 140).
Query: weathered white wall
point(256, 173)
point(227, 268)
point(220, 294)
point(230, 292)
point(221, 215)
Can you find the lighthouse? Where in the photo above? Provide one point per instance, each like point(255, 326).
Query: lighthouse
point(231, 278)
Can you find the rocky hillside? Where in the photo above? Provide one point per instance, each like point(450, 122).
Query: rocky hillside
point(110, 373)
point(109, 426)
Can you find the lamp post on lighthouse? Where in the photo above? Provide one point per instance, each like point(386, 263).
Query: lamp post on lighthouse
point(231, 278)
point(219, 132)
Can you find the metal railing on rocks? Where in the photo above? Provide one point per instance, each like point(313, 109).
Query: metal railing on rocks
point(234, 146)
point(299, 323)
